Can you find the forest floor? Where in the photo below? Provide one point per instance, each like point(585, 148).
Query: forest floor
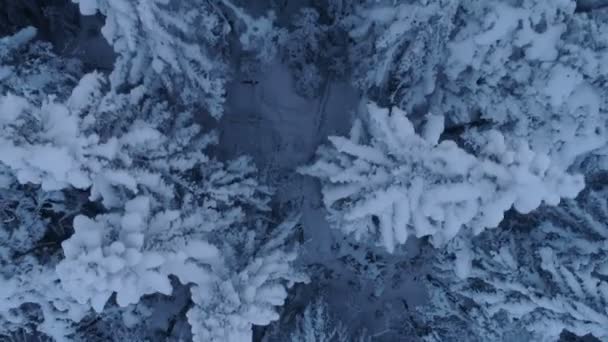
point(281, 131)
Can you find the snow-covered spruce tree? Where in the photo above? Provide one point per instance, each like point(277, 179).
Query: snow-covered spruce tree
point(179, 45)
point(534, 69)
point(541, 276)
point(178, 224)
point(161, 208)
point(29, 67)
point(315, 322)
point(33, 220)
point(388, 182)
point(398, 49)
point(236, 275)
point(302, 49)
point(33, 223)
point(314, 48)
point(261, 272)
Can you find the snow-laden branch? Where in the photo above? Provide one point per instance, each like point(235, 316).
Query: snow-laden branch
point(543, 278)
point(388, 182)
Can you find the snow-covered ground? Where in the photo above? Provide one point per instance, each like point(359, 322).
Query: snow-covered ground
point(281, 131)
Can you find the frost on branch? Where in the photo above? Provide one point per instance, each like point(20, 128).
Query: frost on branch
point(29, 68)
point(31, 219)
point(388, 182)
point(316, 324)
point(32, 300)
point(542, 277)
point(316, 321)
point(314, 48)
point(302, 50)
point(26, 214)
point(262, 272)
point(399, 49)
